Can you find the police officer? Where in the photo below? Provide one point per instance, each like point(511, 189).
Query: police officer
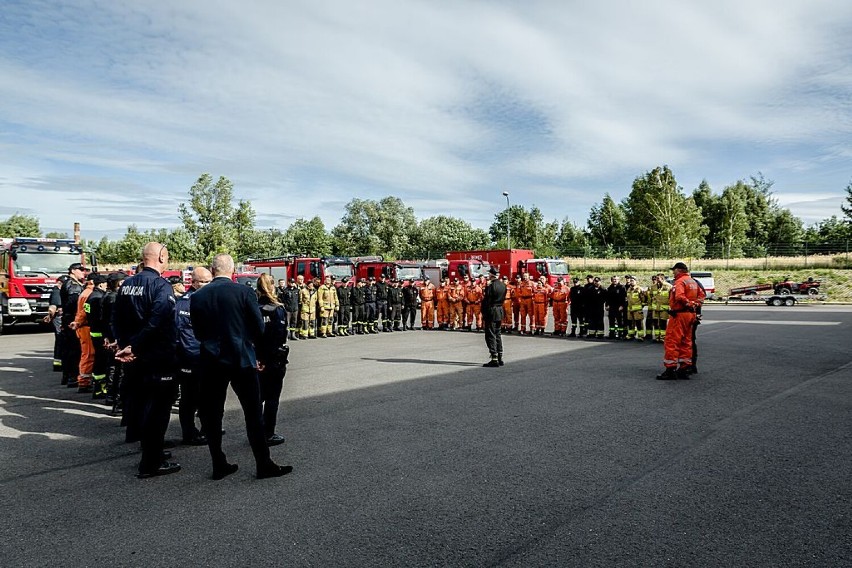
point(189, 361)
point(409, 305)
point(145, 330)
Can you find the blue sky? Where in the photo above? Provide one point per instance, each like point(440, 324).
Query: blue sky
point(109, 111)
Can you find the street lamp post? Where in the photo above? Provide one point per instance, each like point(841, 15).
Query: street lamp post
point(508, 230)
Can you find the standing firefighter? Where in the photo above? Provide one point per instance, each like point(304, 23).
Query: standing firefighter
point(507, 306)
point(559, 300)
point(442, 304)
point(93, 307)
point(409, 305)
point(658, 308)
point(290, 300)
point(358, 298)
point(636, 300)
point(308, 307)
point(575, 296)
point(344, 300)
point(427, 305)
point(395, 301)
point(616, 303)
point(327, 298)
point(685, 300)
point(525, 293)
point(492, 316)
point(541, 295)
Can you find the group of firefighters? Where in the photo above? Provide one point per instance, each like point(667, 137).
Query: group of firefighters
point(318, 309)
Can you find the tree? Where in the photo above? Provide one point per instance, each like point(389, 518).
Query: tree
point(56, 235)
point(659, 215)
point(528, 230)
point(370, 227)
point(732, 218)
point(607, 223)
point(848, 210)
point(437, 235)
point(211, 219)
point(308, 237)
point(267, 243)
point(19, 225)
point(572, 241)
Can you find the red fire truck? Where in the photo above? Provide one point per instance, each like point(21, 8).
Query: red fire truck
point(377, 267)
point(514, 261)
point(29, 267)
point(288, 267)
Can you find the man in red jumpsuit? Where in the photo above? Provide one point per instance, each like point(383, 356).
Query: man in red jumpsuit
point(685, 300)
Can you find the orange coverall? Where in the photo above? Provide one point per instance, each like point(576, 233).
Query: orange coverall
point(507, 308)
point(686, 296)
point(427, 306)
point(455, 297)
point(442, 304)
point(525, 301)
point(540, 297)
point(87, 357)
point(473, 295)
point(559, 298)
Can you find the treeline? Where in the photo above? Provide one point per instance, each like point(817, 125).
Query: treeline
point(657, 219)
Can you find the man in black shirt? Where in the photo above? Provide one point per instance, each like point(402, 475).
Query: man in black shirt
point(492, 317)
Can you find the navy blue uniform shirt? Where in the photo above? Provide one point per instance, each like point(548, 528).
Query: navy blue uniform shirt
point(143, 318)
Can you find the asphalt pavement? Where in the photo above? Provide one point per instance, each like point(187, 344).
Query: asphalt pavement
point(406, 452)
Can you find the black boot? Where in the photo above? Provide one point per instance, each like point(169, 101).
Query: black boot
point(494, 362)
point(669, 374)
point(500, 359)
point(684, 372)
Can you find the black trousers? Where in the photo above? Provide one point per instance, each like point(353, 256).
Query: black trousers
point(409, 314)
point(493, 336)
point(155, 392)
point(616, 321)
point(395, 314)
point(189, 379)
point(214, 390)
point(271, 383)
point(382, 311)
point(293, 322)
point(359, 314)
point(70, 354)
point(372, 312)
point(344, 316)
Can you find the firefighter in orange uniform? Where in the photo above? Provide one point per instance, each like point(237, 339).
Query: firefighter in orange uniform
point(685, 300)
point(442, 304)
point(525, 299)
point(506, 326)
point(541, 295)
point(516, 302)
point(455, 297)
point(473, 311)
point(81, 326)
point(559, 300)
point(427, 305)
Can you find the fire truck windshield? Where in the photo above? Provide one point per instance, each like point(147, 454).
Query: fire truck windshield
point(340, 271)
point(406, 272)
point(44, 263)
point(479, 268)
point(558, 267)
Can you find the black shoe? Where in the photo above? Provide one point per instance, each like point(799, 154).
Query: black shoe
point(690, 369)
point(71, 384)
point(164, 469)
point(683, 373)
point(668, 375)
point(166, 455)
point(224, 471)
point(274, 470)
point(492, 363)
point(500, 360)
point(274, 440)
point(197, 440)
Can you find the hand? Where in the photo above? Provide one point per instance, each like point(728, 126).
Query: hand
point(125, 355)
point(73, 325)
point(260, 367)
point(47, 319)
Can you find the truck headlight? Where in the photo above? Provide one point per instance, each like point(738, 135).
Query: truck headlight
point(19, 307)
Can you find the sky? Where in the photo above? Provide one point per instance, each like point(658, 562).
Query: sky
point(109, 111)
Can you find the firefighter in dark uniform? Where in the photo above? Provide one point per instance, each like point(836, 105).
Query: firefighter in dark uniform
point(144, 324)
point(289, 298)
point(382, 304)
point(359, 310)
point(370, 306)
point(93, 307)
point(576, 305)
point(70, 295)
point(409, 305)
point(492, 317)
point(395, 302)
point(616, 305)
point(344, 301)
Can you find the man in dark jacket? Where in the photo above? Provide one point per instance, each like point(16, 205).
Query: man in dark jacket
point(144, 325)
point(227, 322)
point(289, 298)
point(382, 304)
point(594, 301)
point(344, 303)
point(395, 301)
point(576, 306)
point(189, 361)
point(93, 306)
point(409, 305)
point(370, 306)
point(358, 297)
point(492, 317)
point(69, 295)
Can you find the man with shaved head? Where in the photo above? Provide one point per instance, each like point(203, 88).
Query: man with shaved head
point(189, 361)
point(144, 324)
point(227, 321)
